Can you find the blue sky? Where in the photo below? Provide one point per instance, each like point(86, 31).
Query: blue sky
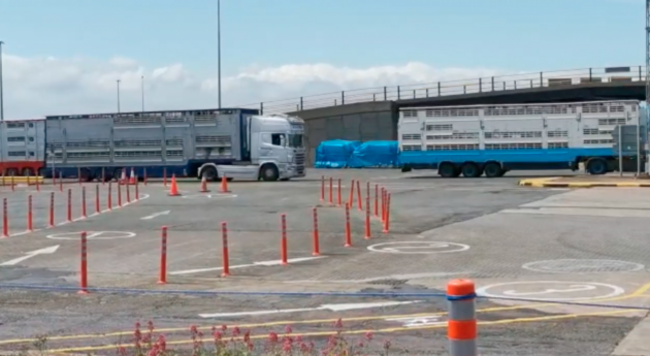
point(515, 34)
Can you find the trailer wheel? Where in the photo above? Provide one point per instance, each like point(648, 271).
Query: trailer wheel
point(209, 173)
point(448, 170)
point(12, 172)
point(269, 173)
point(597, 166)
point(470, 170)
point(493, 170)
point(27, 172)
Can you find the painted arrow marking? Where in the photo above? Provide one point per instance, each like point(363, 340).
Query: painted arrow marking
point(254, 264)
point(328, 307)
point(43, 251)
point(149, 217)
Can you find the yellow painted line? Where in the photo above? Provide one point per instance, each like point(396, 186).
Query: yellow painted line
point(356, 332)
point(639, 293)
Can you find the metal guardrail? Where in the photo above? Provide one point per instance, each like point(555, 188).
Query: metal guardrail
point(455, 87)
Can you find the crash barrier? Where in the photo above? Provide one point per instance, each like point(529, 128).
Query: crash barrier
point(81, 206)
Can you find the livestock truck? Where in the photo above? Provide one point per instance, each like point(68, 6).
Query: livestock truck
point(235, 143)
point(494, 139)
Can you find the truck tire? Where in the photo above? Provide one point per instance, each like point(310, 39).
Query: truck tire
point(493, 170)
point(210, 174)
point(470, 170)
point(269, 173)
point(597, 166)
point(448, 170)
point(27, 172)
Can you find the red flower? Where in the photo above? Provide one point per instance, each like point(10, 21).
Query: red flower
point(338, 324)
point(193, 329)
point(368, 336)
point(273, 337)
point(247, 336)
point(217, 335)
point(224, 327)
point(236, 331)
point(287, 329)
point(150, 325)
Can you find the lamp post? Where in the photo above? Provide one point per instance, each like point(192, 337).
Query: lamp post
point(219, 51)
point(142, 90)
point(118, 96)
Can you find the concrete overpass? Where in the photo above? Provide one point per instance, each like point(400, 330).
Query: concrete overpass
point(371, 114)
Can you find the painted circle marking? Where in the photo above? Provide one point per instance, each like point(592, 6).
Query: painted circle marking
point(93, 235)
point(209, 196)
point(418, 247)
point(582, 266)
point(550, 290)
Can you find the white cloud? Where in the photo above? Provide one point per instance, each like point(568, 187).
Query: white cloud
point(35, 87)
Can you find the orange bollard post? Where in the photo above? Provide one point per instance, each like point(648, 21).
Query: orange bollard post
point(387, 222)
point(367, 189)
point(283, 241)
point(83, 275)
point(348, 230)
point(83, 203)
point(322, 188)
point(137, 189)
point(162, 279)
point(359, 197)
point(376, 200)
point(224, 250)
point(331, 196)
point(29, 179)
point(69, 205)
point(38, 186)
point(461, 324)
point(30, 221)
point(109, 196)
point(5, 218)
point(119, 195)
point(97, 208)
point(13, 183)
point(367, 227)
point(224, 184)
point(128, 193)
point(315, 242)
point(383, 204)
point(338, 193)
point(351, 197)
point(51, 215)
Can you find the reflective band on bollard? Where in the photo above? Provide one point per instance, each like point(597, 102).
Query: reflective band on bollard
point(461, 324)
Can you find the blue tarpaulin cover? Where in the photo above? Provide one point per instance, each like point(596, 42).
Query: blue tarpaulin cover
point(334, 153)
point(375, 154)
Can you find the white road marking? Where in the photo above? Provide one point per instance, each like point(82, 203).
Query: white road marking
point(149, 217)
point(329, 307)
point(254, 264)
point(47, 250)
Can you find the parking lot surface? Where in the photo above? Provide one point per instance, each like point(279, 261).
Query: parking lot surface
point(525, 248)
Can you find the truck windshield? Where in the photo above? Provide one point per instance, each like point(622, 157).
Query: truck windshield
point(295, 140)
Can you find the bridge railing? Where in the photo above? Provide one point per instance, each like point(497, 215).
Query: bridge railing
point(509, 82)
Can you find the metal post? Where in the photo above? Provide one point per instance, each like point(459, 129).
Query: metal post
point(342, 97)
point(261, 108)
point(438, 88)
point(398, 92)
point(301, 104)
point(142, 90)
point(492, 83)
point(385, 94)
point(620, 150)
point(638, 149)
point(118, 96)
point(2, 108)
point(541, 79)
point(219, 51)
point(480, 85)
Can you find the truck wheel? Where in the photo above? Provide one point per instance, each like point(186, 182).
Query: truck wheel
point(27, 172)
point(210, 174)
point(493, 170)
point(12, 172)
point(269, 173)
point(470, 170)
point(448, 170)
point(597, 166)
